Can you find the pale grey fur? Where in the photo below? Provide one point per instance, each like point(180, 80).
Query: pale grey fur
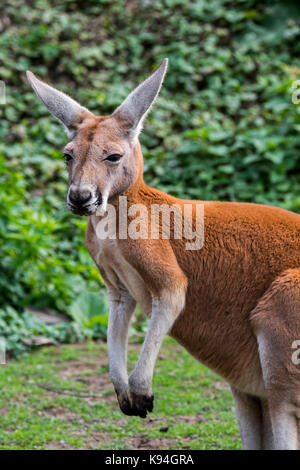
point(64, 108)
point(137, 105)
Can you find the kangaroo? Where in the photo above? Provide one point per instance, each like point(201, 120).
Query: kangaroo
point(234, 304)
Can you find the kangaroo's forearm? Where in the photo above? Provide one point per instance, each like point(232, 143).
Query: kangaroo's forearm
point(121, 310)
point(162, 319)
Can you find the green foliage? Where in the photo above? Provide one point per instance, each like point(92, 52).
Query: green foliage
point(224, 127)
point(90, 313)
point(37, 258)
point(40, 268)
point(19, 331)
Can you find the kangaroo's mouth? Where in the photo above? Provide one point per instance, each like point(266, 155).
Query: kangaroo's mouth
point(87, 209)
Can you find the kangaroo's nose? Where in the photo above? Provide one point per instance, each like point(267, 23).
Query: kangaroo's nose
point(79, 197)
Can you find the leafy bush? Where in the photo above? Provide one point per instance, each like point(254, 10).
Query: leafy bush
point(90, 313)
point(21, 332)
point(224, 128)
point(39, 268)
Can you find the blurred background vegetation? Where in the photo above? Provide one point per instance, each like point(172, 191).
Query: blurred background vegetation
point(224, 128)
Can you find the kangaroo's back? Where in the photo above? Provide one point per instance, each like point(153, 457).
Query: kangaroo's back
point(246, 247)
point(250, 243)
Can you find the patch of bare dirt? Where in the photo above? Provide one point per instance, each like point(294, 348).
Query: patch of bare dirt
point(59, 445)
point(97, 385)
point(59, 412)
point(191, 419)
point(143, 442)
point(93, 440)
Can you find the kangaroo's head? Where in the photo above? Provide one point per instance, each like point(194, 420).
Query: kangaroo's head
point(103, 157)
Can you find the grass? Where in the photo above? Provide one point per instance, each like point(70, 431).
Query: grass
point(62, 398)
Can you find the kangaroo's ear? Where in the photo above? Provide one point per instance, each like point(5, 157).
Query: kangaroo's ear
point(64, 108)
point(135, 107)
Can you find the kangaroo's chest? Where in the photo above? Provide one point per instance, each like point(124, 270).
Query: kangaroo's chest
point(117, 271)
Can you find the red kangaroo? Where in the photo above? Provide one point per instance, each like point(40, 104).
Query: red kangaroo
point(234, 304)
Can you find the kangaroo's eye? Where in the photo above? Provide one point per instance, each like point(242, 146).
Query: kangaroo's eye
point(68, 157)
point(114, 158)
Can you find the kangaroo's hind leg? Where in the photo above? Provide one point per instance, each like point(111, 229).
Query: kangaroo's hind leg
point(276, 322)
point(254, 421)
point(267, 432)
point(249, 416)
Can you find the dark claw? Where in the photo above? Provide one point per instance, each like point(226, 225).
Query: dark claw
point(142, 404)
point(138, 406)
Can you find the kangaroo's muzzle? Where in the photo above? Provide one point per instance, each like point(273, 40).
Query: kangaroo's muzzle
point(83, 200)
